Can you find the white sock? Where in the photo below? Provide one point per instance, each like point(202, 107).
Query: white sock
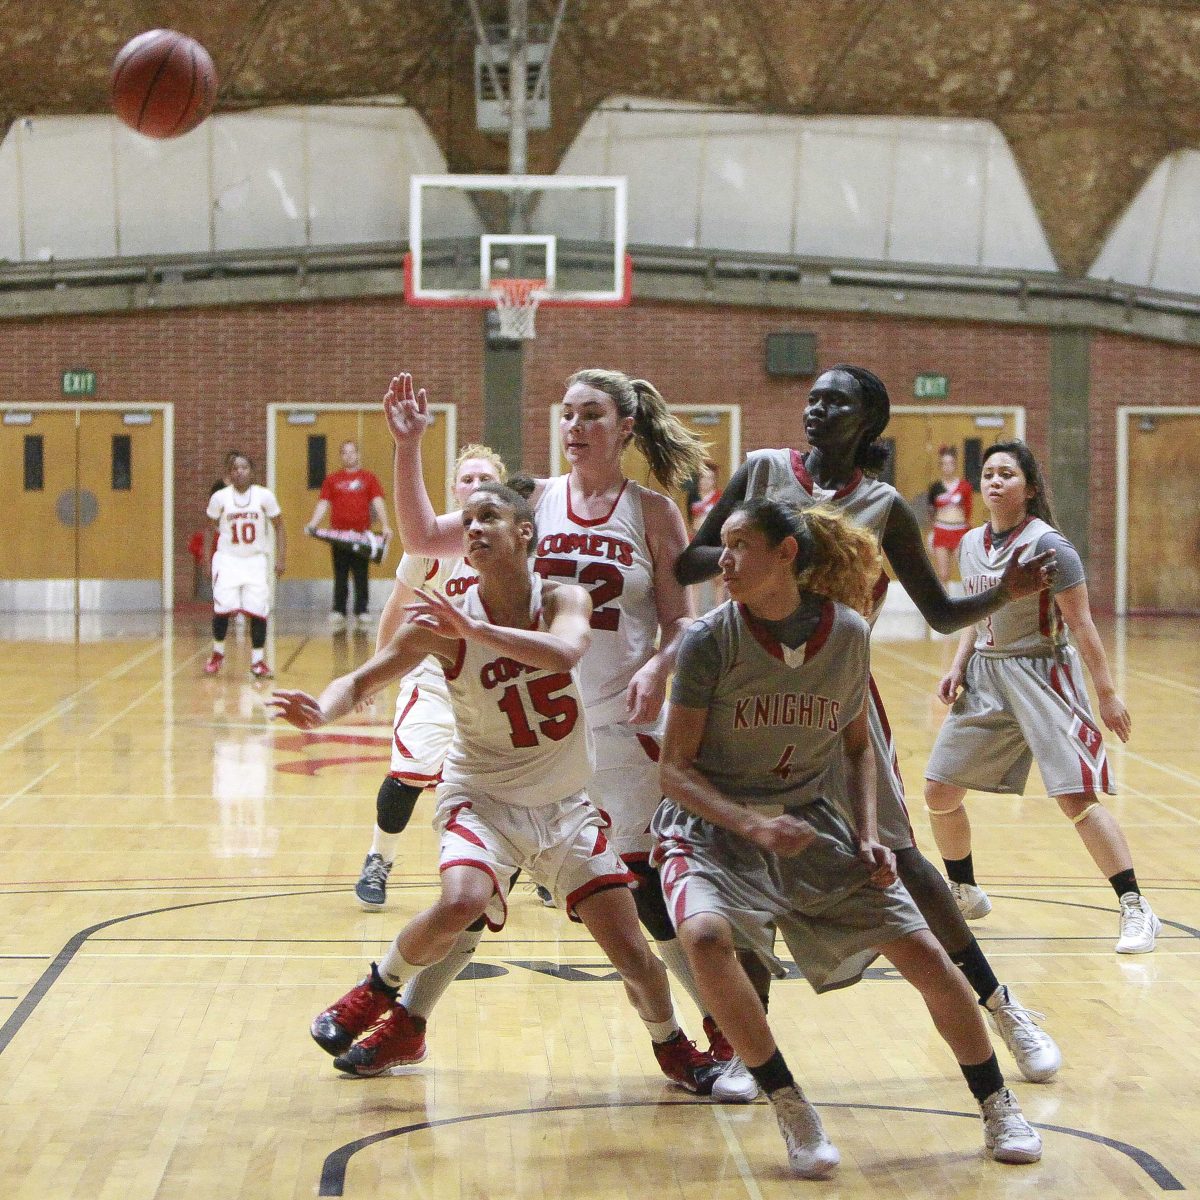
point(256, 656)
point(673, 955)
point(218, 647)
point(425, 989)
point(394, 969)
point(662, 1031)
point(385, 844)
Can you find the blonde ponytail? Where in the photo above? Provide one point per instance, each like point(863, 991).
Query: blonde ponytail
point(674, 453)
point(845, 563)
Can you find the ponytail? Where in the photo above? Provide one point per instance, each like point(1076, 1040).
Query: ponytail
point(674, 453)
point(835, 557)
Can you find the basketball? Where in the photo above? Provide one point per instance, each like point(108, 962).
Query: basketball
point(163, 83)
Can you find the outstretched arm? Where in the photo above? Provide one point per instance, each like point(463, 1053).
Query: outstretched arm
point(905, 549)
point(399, 657)
point(699, 561)
point(421, 530)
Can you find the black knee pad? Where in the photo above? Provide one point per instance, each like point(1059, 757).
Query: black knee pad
point(651, 906)
point(220, 628)
point(394, 805)
point(258, 632)
point(931, 894)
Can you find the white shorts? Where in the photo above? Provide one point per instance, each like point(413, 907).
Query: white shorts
point(625, 786)
point(240, 584)
point(563, 846)
point(422, 730)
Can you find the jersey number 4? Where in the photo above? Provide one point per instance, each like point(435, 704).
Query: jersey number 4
point(604, 581)
point(559, 712)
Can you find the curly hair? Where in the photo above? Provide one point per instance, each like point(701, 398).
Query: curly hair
point(836, 558)
point(486, 453)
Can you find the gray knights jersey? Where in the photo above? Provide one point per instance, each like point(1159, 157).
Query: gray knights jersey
point(775, 715)
point(1031, 625)
point(782, 475)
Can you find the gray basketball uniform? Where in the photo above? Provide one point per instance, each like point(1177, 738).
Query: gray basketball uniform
point(772, 739)
point(1023, 699)
point(782, 475)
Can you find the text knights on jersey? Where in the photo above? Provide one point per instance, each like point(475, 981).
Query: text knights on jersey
point(787, 708)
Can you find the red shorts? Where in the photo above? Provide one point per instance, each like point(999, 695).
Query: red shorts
point(948, 536)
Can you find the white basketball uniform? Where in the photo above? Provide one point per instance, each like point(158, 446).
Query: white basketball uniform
point(242, 563)
point(512, 784)
point(424, 722)
point(782, 475)
point(610, 556)
point(1023, 698)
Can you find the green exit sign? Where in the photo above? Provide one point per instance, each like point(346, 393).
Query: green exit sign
point(931, 387)
point(79, 383)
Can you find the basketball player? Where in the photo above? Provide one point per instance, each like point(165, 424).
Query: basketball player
point(241, 563)
point(620, 540)
point(769, 690)
point(424, 722)
point(847, 410)
point(950, 498)
point(1017, 694)
point(512, 793)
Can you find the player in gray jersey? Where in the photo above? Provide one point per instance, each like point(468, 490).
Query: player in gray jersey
point(847, 410)
point(1017, 696)
point(770, 691)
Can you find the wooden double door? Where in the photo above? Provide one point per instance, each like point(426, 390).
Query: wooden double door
point(86, 497)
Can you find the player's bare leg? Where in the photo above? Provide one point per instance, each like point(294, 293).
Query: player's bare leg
point(611, 918)
point(735, 1004)
point(952, 833)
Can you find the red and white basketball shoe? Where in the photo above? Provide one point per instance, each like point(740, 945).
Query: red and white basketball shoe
point(686, 1066)
point(260, 670)
point(360, 1009)
point(398, 1041)
point(214, 663)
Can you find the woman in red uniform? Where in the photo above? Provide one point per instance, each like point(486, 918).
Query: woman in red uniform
point(950, 499)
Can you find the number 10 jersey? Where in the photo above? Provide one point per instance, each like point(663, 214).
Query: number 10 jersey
point(519, 734)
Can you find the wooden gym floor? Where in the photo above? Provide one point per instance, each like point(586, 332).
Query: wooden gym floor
point(175, 896)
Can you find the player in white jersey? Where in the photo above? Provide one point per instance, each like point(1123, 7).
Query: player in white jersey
point(770, 696)
point(847, 410)
point(423, 724)
point(1017, 696)
point(619, 540)
point(512, 795)
point(244, 515)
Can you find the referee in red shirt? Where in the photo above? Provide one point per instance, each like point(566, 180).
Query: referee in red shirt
point(350, 496)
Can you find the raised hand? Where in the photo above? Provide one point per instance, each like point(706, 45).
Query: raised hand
point(296, 708)
point(434, 611)
point(1026, 578)
point(406, 410)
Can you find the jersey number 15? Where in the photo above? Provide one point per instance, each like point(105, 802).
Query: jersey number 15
point(559, 712)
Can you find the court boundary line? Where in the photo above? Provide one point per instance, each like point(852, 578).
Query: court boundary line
point(333, 1170)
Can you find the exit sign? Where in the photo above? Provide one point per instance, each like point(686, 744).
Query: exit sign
point(79, 383)
point(931, 387)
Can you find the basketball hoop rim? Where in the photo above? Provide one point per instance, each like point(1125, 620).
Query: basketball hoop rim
point(489, 301)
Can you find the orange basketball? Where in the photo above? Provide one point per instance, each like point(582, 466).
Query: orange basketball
point(163, 83)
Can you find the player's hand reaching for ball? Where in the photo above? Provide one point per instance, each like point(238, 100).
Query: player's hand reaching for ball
point(1026, 578)
point(406, 410)
point(783, 835)
point(296, 708)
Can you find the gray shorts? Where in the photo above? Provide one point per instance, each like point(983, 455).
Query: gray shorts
point(1013, 712)
point(832, 920)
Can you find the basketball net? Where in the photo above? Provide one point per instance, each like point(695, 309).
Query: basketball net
point(516, 306)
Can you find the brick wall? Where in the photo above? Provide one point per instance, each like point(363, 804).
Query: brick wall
point(222, 366)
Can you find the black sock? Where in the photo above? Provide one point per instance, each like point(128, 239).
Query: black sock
point(773, 1074)
point(983, 1078)
point(1124, 881)
point(378, 984)
point(971, 962)
point(960, 870)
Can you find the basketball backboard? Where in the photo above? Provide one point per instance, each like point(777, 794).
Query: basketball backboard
point(568, 236)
